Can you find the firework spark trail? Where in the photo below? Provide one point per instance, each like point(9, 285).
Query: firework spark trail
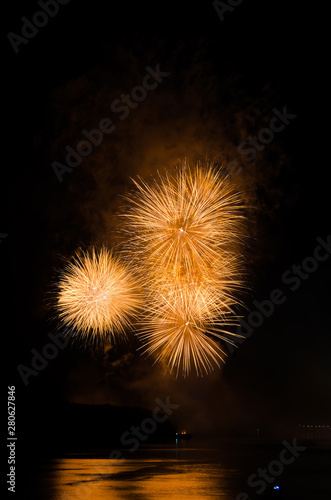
point(184, 221)
point(183, 233)
point(96, 296)
point(180, 328)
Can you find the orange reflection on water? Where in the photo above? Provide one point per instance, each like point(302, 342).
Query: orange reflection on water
point(149, 479)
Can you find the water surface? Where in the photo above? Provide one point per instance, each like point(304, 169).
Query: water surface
point(184, 471)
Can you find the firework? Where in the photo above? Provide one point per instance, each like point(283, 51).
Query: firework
point(181, 330)
point(181, 223)
point(96, 296)
point(183, 232)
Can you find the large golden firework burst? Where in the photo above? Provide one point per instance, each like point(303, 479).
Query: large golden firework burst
point(96, 296)
point(182, 223)
point(183, 232)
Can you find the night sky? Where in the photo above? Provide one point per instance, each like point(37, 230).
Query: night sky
point(225, 79)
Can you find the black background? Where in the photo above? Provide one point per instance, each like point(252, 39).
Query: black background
point(283, 371)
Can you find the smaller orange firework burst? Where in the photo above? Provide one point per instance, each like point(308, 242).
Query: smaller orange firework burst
point(183, 327)
point(97, 295)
